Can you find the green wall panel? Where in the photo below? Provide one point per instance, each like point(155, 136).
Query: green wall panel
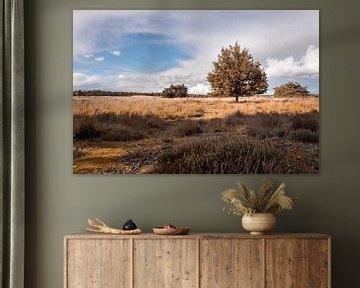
point(59, 202)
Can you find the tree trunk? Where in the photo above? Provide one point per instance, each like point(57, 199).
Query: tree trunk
point(237, 98)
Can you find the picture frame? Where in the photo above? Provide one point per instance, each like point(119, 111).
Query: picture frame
point(176, 92)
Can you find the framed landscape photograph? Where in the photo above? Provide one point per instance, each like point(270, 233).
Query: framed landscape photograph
point(196, 92)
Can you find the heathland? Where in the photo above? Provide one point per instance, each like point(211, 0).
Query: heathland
point(202, 135)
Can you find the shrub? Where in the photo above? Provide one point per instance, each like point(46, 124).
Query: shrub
point(129, 119)
point(261, 132)
point(87, 132)
point(175, 91)
point(305, 135)
point(188, 128)
point(234, 119)
point(110, 126)
point(267, 125)
point(121, 133)
point(85, 128)
point(228, 153)
point(274, 125)
point(308, 121)
point(291, 89)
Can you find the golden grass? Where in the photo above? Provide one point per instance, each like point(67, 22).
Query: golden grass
point(182, 108)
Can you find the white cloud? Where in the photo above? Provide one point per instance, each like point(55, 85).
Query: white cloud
point(120, 76)
point(83, 79)
point(92, 81)
point(89, 55)
point(307, 66)
point(199, 89)
point(115, 52)
point(99, 59)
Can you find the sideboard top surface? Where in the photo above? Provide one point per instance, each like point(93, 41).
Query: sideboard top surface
point(87, 235)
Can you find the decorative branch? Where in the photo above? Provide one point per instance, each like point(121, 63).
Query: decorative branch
point(101, 227)
point(246, 202)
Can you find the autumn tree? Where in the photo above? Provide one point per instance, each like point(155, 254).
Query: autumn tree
point(237, 74)
point(175, 91)
point(291, 89)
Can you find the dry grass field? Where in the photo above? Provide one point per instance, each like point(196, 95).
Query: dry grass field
point(144, 135)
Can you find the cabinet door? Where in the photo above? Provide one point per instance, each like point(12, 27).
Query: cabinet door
point(98, 263)
point(231, 263)
point(320, 263)
point(287, 263)
point(165, 263)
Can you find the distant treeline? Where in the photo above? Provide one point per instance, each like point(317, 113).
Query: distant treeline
point(124, 94)
point(160, 94)
point(111, 93)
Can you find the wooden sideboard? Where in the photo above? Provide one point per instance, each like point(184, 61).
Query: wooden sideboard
point(197, 260)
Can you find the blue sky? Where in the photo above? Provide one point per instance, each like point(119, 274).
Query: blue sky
point(145, 51)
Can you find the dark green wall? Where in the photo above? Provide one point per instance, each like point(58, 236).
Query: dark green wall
point(59, 202)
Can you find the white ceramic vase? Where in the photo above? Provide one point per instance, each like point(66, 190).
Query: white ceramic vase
point(259, 223)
